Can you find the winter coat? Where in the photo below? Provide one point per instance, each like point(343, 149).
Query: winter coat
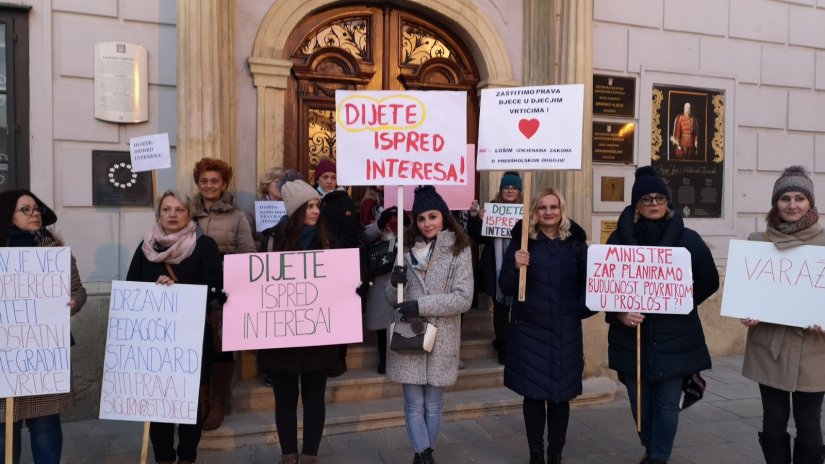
point(379, 312)
point(545, 354)
point(341, 218)
point(487, 261)
point(301, 359)
point(27, 407)
point(441, 306)
point(785, 357)
point(225, 223)
point(671, 345)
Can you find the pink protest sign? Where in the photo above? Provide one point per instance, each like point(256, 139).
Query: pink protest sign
point(458, 197)
point(291, 299)
point(398, 137)
point(639, 279)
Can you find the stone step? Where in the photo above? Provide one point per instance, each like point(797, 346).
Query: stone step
point(364, 384)
point(365, 355)
point(255, 428)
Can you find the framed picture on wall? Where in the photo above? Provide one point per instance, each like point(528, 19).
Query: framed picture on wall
point(115, 184)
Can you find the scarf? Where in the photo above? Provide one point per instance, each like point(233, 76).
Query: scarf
point(25, 238)
point(420, 254)
point(160, 247)
point(802, 232)
point(649, 232)
point(307, 235)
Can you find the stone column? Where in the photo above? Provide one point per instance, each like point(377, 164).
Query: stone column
point(205, 84)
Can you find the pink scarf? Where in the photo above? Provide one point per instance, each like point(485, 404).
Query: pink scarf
point(175, 247)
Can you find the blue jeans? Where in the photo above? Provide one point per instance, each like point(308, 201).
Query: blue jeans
point(46, 437)
point(422, 413)
point(660, 412)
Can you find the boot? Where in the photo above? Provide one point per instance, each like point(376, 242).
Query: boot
point(186, 462)
point(777, 449)
point(382, 350)
point(222, 374)
point(289, 459)
point(536, 456)
point(553, 458)
point(427, 456)
point(804, 454)
point(308, 459)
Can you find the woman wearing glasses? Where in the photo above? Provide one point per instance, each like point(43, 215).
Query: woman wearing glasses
point(23, 222)
point(672, 347)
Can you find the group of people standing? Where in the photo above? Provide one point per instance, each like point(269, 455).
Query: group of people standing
point(539, 340)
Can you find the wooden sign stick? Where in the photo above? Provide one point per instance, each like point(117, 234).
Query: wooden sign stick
point(639, 377)
point(9, 430)
point(525, 226)
point(144, 447)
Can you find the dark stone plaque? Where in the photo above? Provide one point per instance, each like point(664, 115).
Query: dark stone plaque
point(114, 183)
point(613, 142)
point(614, 96)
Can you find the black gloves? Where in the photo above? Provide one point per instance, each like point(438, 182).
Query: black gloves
point(408, 308)
point(398, 276)
point(385, 217)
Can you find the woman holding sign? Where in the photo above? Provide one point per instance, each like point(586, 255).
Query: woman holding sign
point(789, 362)
point(23, 222)
point(439, 288)
point(174, 250)
point(303, 370)
point(545, 358)
point(672, 347)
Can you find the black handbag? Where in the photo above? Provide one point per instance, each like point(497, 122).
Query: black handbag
point(380, 256)
point(414, 335)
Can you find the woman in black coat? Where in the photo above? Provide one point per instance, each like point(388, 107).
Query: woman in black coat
point(175, 250)
point(545, 357)
point(309, 366)
point(672, 347)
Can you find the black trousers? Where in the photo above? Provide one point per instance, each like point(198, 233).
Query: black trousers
point(807, 413)
point(285, 387)
point(501, 323)
point(555, 415)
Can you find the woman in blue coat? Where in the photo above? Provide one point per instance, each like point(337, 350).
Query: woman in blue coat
point(545, 358)
point(672, 347)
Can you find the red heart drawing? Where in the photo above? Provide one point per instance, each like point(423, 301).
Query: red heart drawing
point(528, 127)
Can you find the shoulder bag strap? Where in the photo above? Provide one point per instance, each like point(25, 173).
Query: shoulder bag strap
point(171, 272)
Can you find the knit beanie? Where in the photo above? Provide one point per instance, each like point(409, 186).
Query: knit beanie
point(426, 198)
point(793, 179)
point(510, 179)
point(296, 193)
point(647, 181)
point(324, 166)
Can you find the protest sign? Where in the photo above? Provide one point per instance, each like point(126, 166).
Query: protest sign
point(401, 137)
point(291, 299)
point(642, 279)
point(457, 197)
point(35, 287)
point(152, 364)
point(268, 213)
point(765, 283)
point(531, 128)
point(150, 153)
point(499, 219)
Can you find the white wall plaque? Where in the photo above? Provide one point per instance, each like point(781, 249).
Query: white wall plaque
point(121, 87)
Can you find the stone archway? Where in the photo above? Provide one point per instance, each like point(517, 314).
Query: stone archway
point(270, 70)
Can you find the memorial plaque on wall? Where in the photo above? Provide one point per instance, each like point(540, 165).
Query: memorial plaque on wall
point(688, 147)
point(612, 188)
point(614, 96)
point(613, 142)
point(121, 84)
point(114, 182)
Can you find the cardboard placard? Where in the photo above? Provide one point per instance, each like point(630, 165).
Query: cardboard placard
point(268, 214)
point(499, 219)
point(150, 153)
point(457, 197)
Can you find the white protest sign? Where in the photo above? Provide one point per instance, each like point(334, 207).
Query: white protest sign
point(780, 286)
point(401, 137)
point(35, 287)
point(640, 279)
point(152, 364)
point(531, 128)
point(150, 153)
point(499, 219)
point(268, 214)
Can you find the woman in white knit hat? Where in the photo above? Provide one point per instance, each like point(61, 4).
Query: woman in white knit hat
point(789, 362)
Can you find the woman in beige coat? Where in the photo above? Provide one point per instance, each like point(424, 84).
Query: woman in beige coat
point(439, 288)
point(789, 362)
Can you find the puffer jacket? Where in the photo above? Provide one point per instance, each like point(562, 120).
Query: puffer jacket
point(545, 354)
point(443, 294)
point(226, 224)
point(672, 345)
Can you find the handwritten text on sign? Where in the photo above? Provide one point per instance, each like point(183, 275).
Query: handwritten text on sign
point(780, 286)
point(639, 279)
point(499, 219)
point(152, 365)
point(290, 299)
point(35, 286)
point(531, 128)
point(401, 138)
point(457, 197)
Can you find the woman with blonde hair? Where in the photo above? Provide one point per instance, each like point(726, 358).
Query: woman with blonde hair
point(545, 354)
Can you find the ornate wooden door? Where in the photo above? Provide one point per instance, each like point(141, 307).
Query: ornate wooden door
point(365, 48)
